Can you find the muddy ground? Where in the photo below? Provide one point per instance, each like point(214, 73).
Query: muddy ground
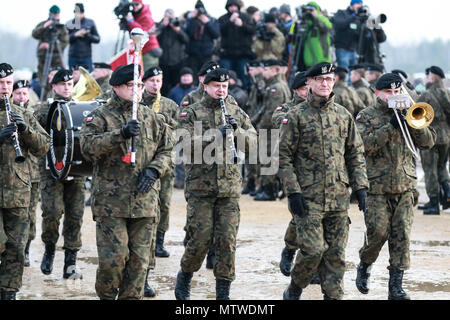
point(260, 241)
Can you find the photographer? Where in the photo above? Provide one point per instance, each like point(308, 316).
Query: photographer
point(371, 36)
point(45, 32)
point(202, 31)
point(82, 33)
point(172, 40)
point(141, 17)
point(347, 24)
point(237, 30)
point(270, 42)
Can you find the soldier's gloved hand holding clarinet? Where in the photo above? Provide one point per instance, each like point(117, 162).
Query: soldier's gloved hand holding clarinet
point(232, 121)
point(361, 195)
point(131, 129)
point(147, 179)
point(7, 132)
point(21, 124)
point(297, 205)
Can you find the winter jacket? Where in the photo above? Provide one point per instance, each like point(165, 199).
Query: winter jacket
point(346, 26)
point(237, 41)
point(201, 36)
point(143, 19)
point(178, 93)
point(173, 45)
point(80, 47)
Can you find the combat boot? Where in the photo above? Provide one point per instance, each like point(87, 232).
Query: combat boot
point(445, 187)
point(211, 257)
point(70, 269)
point(315, 279)
point(26, 262)
point(256, 191)
point(47, 259)
point(183, 285)
point(363, 277)
point(223, 289)
point(395, 285)
point(148, 291)
point(266, 195)
point(292, 292)
point(160, 251)
point(249, 187)
point(8, 295)
point(434, 207)
point(287, 256)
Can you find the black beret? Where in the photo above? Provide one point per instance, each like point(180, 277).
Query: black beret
point(256, 63)
point(400, 72)
point(340, 69)
point(283, 63)
point(208, 67)
point(389, 81)
point(102, 65)
point(300, 80)
point(123, 75)
point(435, 70)
point(152, 72)
point(356, 67)
point(5, 70)
point(19, 84)
point(219, 75)
point(63, 75)
point(271, 63)
point(269, 18)
point(320, 69)
point(374, 67)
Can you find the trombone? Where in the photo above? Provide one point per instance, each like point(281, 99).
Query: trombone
point(418, 116)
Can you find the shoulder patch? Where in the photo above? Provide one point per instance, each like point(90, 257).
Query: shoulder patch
point(89, 119)
point(273, 90)
point(183, 114)
point(185, 103)
point(279, 109)
point(285, 121)
point(358, 117)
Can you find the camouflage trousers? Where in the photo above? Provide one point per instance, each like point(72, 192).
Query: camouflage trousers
point(322, 238)
point(152, 257)
point(212, 220)
point(123, 247)
point(32, 210)
point(165, 195)
point(58, 198)
point(266, 179)
point(388, 218)
point(290, 237)
point(434, 166)
point(13, 238)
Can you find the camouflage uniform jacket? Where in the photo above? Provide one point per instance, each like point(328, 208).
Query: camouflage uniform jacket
point(272, 49)
point(274, 96)
point(104, 84)
point(256, 95)
point(167, 107)
point(43, 35)
point(115, 182)
point(32, 160)
point(193, 96)
point(216, 179)
point(280, 112)
point(390, 166)
point(348, 98)
point(439, 98)
point(15, 177)
point(367, 96)
point(321, 154)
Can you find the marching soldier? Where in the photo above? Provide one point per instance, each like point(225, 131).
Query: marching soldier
point(275, 95)
point(434, 161)
point(15, 184)
point(361, 85)
point(102, 73)
point(212, 190)
point(60, 197)
point(321, 155)
point(45, 32)
point(373, 73)
point(21, 97)
point(125, 198)
point(346, 96)
point(153, 81)
point(392, 178)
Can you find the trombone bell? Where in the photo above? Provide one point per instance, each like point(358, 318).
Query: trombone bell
point(86, 88)
point(420, 115)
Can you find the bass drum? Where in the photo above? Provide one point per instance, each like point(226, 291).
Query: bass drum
point(64, 122)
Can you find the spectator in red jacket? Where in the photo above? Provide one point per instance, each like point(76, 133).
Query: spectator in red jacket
point(142, 18)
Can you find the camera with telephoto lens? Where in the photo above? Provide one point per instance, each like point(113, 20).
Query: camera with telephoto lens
point(175, 22)
point(122, 10)
point(262, 33)
point(372, 21)
point(56, 25)
point(201, 10)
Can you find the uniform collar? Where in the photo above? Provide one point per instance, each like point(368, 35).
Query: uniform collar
point(210, 101)
point(435, 85)
point(149, 98)
point(320, 102)
point(271, 81)
point(60, 98)
point(297, 99)
point(120, 103)
point(382, 105)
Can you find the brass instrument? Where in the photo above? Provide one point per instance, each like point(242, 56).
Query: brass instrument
point(19, 156)
point(86, 88)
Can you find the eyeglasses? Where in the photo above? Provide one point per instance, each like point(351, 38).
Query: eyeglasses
point(130, 85)
point(322, 79)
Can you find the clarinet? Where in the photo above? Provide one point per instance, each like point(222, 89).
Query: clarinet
point(230, 135)
point(19, 156)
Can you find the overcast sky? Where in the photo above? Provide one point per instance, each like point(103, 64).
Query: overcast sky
point(408, 21)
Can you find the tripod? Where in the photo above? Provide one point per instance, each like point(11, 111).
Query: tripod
point(49, 57)
point(121, 37)
point(298, 42)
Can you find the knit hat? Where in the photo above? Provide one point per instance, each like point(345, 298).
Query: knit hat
point(355, 1)
point(54, 9)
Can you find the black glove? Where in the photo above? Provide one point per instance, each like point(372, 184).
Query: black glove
point(232, 121)
point(131, 129)
point(21, 125)
point(224, 129)
point(7, 132)
point(361, 195)
point(147, 179)
point(394, 122)
point(297, 205)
